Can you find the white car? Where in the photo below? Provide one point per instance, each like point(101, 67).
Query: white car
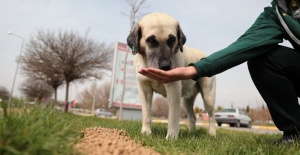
point(102, 112)
point(233, 117)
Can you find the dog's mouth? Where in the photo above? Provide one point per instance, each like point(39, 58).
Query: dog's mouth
point(160, 59)
point(165, 65)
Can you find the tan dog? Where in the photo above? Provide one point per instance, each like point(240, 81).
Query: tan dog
point(158, 42)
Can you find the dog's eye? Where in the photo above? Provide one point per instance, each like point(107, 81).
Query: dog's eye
point(152, 41)
point(171, 40)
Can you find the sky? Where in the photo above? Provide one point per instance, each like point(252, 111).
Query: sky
point(208, 25)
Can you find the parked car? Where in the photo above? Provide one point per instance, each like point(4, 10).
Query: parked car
point(102, 112)
point(233, 117)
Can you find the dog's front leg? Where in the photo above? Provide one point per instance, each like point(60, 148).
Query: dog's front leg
point(208, 89)
point(173, 95)
point(146, 94)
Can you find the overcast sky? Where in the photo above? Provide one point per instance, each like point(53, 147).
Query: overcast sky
point(208, 26)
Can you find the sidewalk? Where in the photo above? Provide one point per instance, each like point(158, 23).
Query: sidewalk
point(205, 123)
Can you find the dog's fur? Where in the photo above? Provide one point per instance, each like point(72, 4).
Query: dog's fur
point(158, 42)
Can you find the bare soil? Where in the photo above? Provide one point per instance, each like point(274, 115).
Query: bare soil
point(103, 141)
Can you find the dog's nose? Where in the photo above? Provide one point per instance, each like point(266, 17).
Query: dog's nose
point(165, 66)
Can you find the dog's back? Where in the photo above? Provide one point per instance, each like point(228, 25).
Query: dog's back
point(192, 55)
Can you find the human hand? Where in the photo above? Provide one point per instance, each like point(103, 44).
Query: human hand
point(182, 73)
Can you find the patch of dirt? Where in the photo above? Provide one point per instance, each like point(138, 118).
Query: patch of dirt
point(105, 141)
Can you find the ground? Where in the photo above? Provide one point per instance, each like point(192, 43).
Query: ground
point(105, 141)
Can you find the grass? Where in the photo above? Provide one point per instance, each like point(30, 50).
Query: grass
point(36, 130)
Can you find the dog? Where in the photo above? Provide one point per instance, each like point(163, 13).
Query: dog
point(157, 41)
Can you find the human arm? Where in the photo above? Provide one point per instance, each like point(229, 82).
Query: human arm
point(259, 39)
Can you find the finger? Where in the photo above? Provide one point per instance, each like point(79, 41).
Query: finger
point(143, 70)
point(152, 75)
point(156, 75)
point(156, 71)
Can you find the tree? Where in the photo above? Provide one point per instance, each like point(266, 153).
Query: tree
point(182, 112)
point(247, 109)
point(42, 66)
point(260, 115)
point(35, 89)
point(197, 110)
point(219, 108)
point(135, 14)
point(101, 96)
point(73, 57)
point(4, 93)
point(160, 107)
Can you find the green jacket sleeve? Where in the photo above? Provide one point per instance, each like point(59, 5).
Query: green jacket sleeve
point(257, 40)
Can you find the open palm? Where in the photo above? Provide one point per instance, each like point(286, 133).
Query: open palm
point(182, 73)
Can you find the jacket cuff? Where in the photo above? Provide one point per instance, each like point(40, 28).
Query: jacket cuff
point(203, 67)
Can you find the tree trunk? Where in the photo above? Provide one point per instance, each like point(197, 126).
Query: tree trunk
point(67, 97)
point(55, 94)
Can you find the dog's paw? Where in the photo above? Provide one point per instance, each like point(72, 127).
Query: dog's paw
point(146, 131)
point(192, 127)
point(212, 131)
point(171, 136)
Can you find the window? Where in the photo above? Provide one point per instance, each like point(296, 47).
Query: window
point(228, 110)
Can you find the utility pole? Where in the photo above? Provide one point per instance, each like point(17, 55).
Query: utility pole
point(94, 98)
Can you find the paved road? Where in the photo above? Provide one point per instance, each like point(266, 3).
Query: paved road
point(255, 129)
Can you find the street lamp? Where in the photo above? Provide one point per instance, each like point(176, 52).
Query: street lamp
point(12, 88)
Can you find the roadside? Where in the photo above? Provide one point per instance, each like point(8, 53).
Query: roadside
point(261, 129)
point(255, 128)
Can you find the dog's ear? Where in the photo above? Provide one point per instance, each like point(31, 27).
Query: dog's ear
point(181, 38)
point(133, 40)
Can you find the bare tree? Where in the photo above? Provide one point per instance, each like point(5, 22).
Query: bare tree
point(39, 64)
point(219, 108)
point(198, 110)
point(35, 89)
point(101, 96)
point(86, 97)
point(75, 57)
point(4, 93)
point(260, 115)
point(247, 109)
point(104, 95)
point(182, 112)
point(135, 14)
point(160, 107)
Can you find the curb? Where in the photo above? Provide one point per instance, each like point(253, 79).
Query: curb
point(206, 124)
point(265, 127)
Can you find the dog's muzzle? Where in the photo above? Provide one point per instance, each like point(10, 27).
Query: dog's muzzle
point(165, 65)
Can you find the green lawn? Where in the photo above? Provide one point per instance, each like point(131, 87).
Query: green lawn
point(41, 131)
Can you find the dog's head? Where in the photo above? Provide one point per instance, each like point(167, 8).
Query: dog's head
point(157, 37)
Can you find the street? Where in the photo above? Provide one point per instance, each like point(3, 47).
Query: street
point(255, 128)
